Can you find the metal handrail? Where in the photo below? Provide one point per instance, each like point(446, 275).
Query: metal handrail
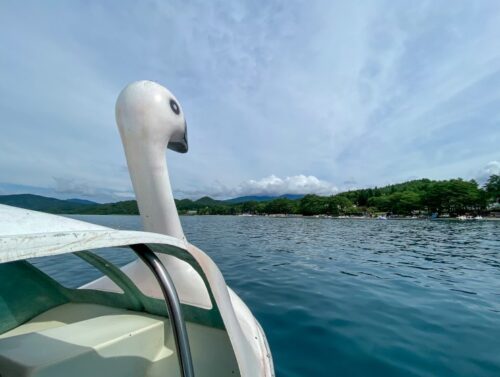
point(173, 307)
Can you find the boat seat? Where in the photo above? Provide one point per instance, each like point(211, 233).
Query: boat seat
point(88, 340)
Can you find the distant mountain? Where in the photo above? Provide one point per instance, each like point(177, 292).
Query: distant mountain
point(82, 206)
point(262, 198)
point(41, 203)
point(81, 201)
point(127, 207)
point(207, 201)
point(194, 205)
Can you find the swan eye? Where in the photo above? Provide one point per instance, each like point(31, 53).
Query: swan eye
point(175, 107)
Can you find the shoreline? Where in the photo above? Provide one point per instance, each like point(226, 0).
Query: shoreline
point(324, 217)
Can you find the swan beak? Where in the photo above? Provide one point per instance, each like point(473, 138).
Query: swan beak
point(181, 144)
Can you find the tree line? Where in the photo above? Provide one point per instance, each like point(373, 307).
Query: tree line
point(418, 197)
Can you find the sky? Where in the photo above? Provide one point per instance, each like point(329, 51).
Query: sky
point(280, 96)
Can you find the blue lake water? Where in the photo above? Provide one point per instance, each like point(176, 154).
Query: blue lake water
point(361, 298)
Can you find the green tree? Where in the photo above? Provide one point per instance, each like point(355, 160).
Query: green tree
point(280, 205)
point(455, 197)
point(249, 207)
point(338, 205)
point(492, 188)
point(313, 205)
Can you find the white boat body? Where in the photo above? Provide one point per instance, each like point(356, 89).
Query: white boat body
point(26, 234)
point(149, 119)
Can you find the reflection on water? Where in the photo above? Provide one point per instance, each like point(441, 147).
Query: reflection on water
point(358, 298)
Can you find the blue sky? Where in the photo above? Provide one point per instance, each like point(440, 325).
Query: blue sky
point(280, 96)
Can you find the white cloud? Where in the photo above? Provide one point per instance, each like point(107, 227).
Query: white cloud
point(271, 185)
point(124, 195)
point(77, 188)
point(491, 168)
point(73, 186)
point(297, 184)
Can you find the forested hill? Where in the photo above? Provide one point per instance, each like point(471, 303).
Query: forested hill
point(44, 204)
point(418, 197)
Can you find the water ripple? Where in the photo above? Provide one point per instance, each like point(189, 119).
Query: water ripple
point(358, 298)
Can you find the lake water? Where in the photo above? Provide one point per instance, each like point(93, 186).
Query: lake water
point(361, 298)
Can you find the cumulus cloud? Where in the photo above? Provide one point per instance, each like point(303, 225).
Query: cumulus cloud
point(73, 186)
point(297, 184)
point(491, 168)
point(78, 188)
point(271, 185)
point(124, 195)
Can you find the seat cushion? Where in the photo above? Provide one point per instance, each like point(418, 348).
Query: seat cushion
point(85, 340)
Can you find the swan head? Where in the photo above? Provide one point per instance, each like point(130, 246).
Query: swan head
point(149, 113)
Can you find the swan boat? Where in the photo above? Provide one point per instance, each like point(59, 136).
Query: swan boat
point(169, 312)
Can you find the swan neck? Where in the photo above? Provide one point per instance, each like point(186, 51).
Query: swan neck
point(150, 179)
